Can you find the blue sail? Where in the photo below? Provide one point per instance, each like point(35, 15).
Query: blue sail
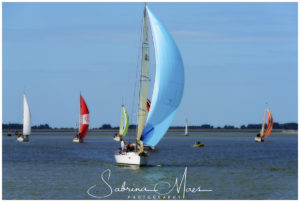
point(168, 86)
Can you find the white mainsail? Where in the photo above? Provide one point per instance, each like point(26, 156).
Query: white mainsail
point(121, 122)
point(26, 118)
point(144, 79)
point(263, 125)
point(186, 128)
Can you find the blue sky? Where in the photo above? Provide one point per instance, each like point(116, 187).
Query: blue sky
point(237, 57)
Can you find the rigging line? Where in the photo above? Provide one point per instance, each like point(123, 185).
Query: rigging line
point(136, 76)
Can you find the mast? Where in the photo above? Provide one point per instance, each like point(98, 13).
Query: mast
point(121, 120)
point(263, 124)
point(80, 117)
point(186, 127)
point(144, 79)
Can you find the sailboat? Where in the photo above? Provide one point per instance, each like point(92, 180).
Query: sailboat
point(84, 121)
point(186, 133)
point(26, 122)
point(167, 91)
point(265, 133)
point(124, 124)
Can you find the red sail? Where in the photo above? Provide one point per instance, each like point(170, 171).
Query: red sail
point(148, 104)
point(84, 118)
point(270, 125)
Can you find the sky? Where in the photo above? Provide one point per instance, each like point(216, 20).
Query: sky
point(237, 57)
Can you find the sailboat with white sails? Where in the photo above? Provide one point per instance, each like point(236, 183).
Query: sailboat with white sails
point(186, 132)
point(26, 122)
point(167, 91)
point(265, 133)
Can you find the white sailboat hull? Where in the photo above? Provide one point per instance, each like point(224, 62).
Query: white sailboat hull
point(24, 138)
point(118, 139)
point(258, 139)
point(77, 140)
point(130, 158)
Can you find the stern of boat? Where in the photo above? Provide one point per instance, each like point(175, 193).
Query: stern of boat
point(130, 158)
point(20, 139)
point(24, 138)
point(117, 138)
point(258, 139)
point(77, 140)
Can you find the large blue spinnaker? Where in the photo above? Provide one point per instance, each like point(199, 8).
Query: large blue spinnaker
point(169, 83)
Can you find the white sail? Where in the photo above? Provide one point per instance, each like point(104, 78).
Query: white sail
point(186, 128)
point(144, 79)
point(121, 122)
point(26, 118)
point(263, 125)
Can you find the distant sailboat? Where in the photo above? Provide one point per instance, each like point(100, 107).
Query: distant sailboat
point(167, 91)
point(84, 121)
point(26, 122)
point(265, 133)
point(186, 133)
point(124, 124)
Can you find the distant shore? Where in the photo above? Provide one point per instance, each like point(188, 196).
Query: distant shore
point(170, 133)
point(170, 130)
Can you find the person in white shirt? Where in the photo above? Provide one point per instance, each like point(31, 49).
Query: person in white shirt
point(123, 146)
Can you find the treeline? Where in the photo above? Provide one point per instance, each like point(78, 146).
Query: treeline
point(20, 126)
point(286, 126)
point(108, 126)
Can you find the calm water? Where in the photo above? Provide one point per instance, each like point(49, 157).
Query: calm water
point(231, 167)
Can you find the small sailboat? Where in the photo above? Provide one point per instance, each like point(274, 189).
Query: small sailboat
point(84, 121)
point(186, 133)
point(167, 91)
point(265, 133)
point(26, 122)
point(124, 124)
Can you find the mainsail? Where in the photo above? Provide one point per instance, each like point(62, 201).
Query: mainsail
point(26, 118)
point(84, 118)
point(168, 86)
point(144, 79)
point(270, 125)
point(186, 128)
point(124, 121)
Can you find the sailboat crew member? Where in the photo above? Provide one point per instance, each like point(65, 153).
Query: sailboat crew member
point(130, 147)
point(123, 146)
point(17, 133)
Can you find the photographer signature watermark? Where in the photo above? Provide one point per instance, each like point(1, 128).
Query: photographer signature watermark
point(160, 190)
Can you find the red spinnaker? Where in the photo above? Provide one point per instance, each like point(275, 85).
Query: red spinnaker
point(84, 119)
point(270, 125)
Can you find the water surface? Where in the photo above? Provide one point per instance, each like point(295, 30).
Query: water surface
point(232, 167)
